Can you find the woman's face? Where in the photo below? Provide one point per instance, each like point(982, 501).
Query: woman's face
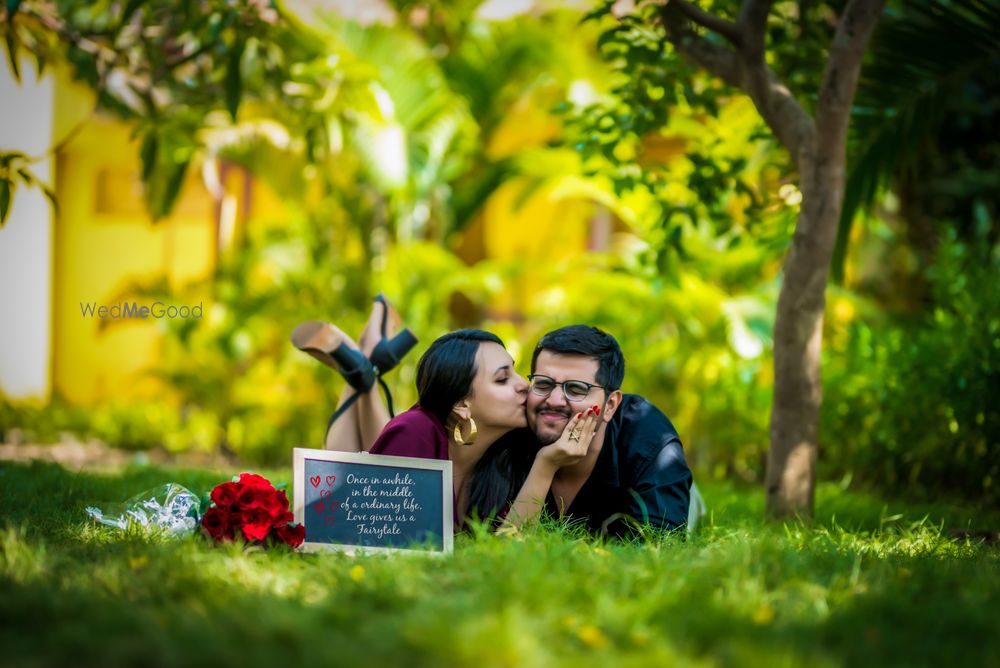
point(498, 392)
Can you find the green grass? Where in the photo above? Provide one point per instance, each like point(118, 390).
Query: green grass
point(867, 584)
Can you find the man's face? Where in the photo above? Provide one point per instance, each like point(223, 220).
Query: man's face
point(548, 416)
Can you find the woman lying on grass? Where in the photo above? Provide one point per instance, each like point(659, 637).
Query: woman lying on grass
point(470, 410)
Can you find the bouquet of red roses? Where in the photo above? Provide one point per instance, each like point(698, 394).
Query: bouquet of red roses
point(251, 507)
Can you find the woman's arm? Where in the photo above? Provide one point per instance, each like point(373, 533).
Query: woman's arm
point(530, 499)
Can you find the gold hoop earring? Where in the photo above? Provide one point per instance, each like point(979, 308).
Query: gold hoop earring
point(472, 433)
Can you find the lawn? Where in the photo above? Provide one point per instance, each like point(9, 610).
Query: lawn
point(870, 583)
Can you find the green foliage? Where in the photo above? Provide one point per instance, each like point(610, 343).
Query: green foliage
point(379, 140)
point(692, 312)
point(925, 104)
point(867, 588)
point(912, 406)
point(656, 94)
point(15, 172)
point(240, 382)
point(135, 425)
point(171, 71)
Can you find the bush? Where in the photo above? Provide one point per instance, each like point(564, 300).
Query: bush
point(913, 406)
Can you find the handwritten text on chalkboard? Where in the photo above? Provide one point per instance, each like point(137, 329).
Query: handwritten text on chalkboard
point(374, 501)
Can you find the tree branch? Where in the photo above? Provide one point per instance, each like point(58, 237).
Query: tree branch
point(716, 24)
point(716, 59)
point(752, 24)
point(843, 67)
point(789, 122)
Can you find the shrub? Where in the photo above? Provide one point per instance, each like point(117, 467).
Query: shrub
point(914, 405)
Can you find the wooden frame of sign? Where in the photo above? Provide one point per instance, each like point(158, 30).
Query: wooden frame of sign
point(354, 501)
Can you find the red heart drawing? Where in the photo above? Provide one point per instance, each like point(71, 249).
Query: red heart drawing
point(318, 507)
point(315, 480)
point(323, 493)
point(330, 519)
point(330, 479)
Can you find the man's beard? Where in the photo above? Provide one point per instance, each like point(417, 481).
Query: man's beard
point(550, 438)
point(547, 439)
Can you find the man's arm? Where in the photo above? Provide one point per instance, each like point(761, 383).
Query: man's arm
point(660, 492)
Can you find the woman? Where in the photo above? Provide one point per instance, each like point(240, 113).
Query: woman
point(469, 397)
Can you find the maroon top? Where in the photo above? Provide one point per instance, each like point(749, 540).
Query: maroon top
point(415, 433)
point(418, 433)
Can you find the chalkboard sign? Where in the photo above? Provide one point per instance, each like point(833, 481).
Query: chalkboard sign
point(354, 500)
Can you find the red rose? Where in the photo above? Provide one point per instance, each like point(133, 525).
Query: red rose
point(291, 534)
point(224, 495)
point(254, 480)
point(215, 522)
point(233, 522)
point(282, 519)
point(250, 497)
point(256, 524)
point(275, 503)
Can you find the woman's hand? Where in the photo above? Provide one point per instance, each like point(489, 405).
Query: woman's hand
point(574, 443)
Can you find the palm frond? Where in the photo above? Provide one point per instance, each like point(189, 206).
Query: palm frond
point(921, 57)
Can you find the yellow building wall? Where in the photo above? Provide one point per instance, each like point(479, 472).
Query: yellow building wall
point(106, 242)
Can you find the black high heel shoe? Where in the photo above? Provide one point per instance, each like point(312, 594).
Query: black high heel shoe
point(387, 353)
point(314, 337)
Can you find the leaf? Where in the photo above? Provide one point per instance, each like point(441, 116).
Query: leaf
point(12, 6)
point(51, 195)
point(171, 189)
point(920, 60)
point(614, 35)
point(234, 79)
point(26, 176)
point(8, 157)
point(147, 154)
point(596, 14)
point(130, 9)
point(12, 56)
point(5, 194)
point(40, 64)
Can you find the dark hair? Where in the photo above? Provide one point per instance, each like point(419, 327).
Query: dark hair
point(444, 376)
point(446, 371)
point(590, 342)
point(500, 474)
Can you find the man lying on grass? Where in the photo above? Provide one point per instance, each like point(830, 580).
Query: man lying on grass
point(634, 472)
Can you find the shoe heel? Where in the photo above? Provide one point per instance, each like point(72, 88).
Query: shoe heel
point(388, 352)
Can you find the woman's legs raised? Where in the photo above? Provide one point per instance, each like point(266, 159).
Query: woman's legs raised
point(363, 421)
point(373, 414)
point(343, 434)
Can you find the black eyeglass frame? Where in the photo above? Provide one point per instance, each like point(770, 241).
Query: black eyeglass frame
point(555, 383)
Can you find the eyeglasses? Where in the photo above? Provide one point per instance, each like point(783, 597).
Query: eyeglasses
point(573, 390)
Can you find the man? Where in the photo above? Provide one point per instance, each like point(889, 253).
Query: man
point(634, 472)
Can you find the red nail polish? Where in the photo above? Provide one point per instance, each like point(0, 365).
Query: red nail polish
point(579, 415)
point(597, 411)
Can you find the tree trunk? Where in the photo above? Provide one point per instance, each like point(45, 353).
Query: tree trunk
point(798, 335)
point(798, 325)
point(819, 149)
